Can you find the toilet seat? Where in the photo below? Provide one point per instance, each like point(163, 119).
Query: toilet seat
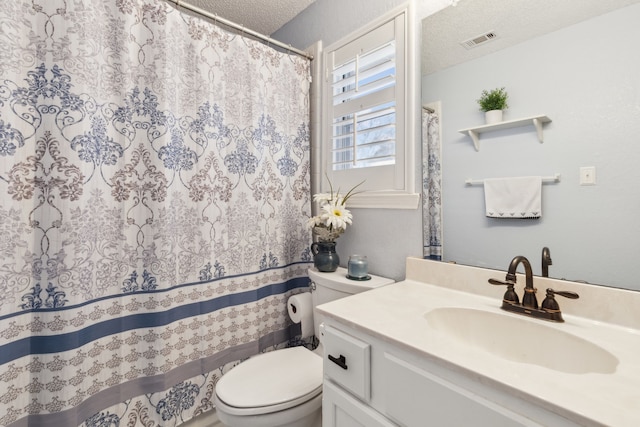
point(271, 382)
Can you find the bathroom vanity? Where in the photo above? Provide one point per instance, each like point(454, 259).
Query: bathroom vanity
point(436, 349)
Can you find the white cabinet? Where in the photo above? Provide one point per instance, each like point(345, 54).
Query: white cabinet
point(370, 382)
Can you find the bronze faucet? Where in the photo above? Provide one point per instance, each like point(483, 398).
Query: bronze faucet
point(510, 302)
point(546, 261)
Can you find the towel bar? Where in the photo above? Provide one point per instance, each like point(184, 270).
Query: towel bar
point(554, 178)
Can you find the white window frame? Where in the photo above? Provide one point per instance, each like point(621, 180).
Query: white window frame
point(399, 194)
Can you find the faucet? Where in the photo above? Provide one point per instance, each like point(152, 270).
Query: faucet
point(546, 261)
point(529, 298)
point(510, 302)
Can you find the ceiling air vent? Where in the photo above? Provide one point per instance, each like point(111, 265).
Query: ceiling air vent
point(478, 40)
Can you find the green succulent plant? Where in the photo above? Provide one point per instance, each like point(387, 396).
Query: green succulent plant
point(495, 99)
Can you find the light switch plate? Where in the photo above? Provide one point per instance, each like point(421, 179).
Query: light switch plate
point(588, 175)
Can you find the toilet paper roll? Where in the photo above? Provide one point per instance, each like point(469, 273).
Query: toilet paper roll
point(300, 308)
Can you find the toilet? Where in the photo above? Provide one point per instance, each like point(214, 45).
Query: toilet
point(283, 388)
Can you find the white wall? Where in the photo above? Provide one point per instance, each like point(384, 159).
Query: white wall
point(592, 94)
point(386, 236)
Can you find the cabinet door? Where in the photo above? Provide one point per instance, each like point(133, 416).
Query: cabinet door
point(339, 409)
point(417, 398)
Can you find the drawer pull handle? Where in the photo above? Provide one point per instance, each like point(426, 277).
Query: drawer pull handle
point(340, 361)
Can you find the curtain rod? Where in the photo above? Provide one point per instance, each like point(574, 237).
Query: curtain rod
point(241, 28)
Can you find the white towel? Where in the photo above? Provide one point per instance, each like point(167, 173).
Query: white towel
point(519, 197)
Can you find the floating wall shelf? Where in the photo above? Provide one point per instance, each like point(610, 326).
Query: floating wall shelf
point(475, 132)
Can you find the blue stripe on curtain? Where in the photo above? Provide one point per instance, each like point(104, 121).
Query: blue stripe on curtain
point(297, 282)
point(69, 341)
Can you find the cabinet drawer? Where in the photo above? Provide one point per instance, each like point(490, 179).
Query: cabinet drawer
point(347, 362)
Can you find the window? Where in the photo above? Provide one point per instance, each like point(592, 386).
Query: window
point(366, 125)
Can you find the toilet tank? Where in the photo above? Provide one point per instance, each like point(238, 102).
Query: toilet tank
point(328, 287)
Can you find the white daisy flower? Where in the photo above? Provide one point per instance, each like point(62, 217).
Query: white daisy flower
point(336, 216)
point(322, 198)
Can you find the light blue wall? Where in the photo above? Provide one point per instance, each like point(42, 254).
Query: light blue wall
point(591, 91)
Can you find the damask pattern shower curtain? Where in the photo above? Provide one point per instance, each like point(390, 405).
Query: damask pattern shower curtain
point(154, 191)
point(431, 186)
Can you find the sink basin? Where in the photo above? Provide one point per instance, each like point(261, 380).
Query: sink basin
point(520, 339)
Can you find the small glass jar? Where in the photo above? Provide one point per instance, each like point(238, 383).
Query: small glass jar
point(358, 267)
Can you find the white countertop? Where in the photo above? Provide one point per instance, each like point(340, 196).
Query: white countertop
point(395, 314)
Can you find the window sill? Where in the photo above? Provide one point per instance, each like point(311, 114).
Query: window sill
point(384, 200)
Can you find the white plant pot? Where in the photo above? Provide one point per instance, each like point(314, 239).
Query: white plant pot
point(493, 116)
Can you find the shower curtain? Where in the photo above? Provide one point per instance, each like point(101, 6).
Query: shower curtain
point(154, 181)
point(431, 186)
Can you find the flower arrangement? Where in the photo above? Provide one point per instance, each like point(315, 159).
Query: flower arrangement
point(334, 217)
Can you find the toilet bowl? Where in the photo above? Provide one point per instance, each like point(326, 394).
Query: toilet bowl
point(283, 388)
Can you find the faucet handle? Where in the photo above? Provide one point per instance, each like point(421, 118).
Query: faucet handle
point(566, 294)
point(550, 302)
point(510, 296)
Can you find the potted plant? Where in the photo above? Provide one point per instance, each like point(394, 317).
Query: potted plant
point(492, 103)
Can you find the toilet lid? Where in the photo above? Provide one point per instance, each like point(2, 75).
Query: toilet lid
point(273, 378)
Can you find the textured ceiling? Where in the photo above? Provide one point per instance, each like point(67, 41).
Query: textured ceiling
point(514, 21)
point(263, 16)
